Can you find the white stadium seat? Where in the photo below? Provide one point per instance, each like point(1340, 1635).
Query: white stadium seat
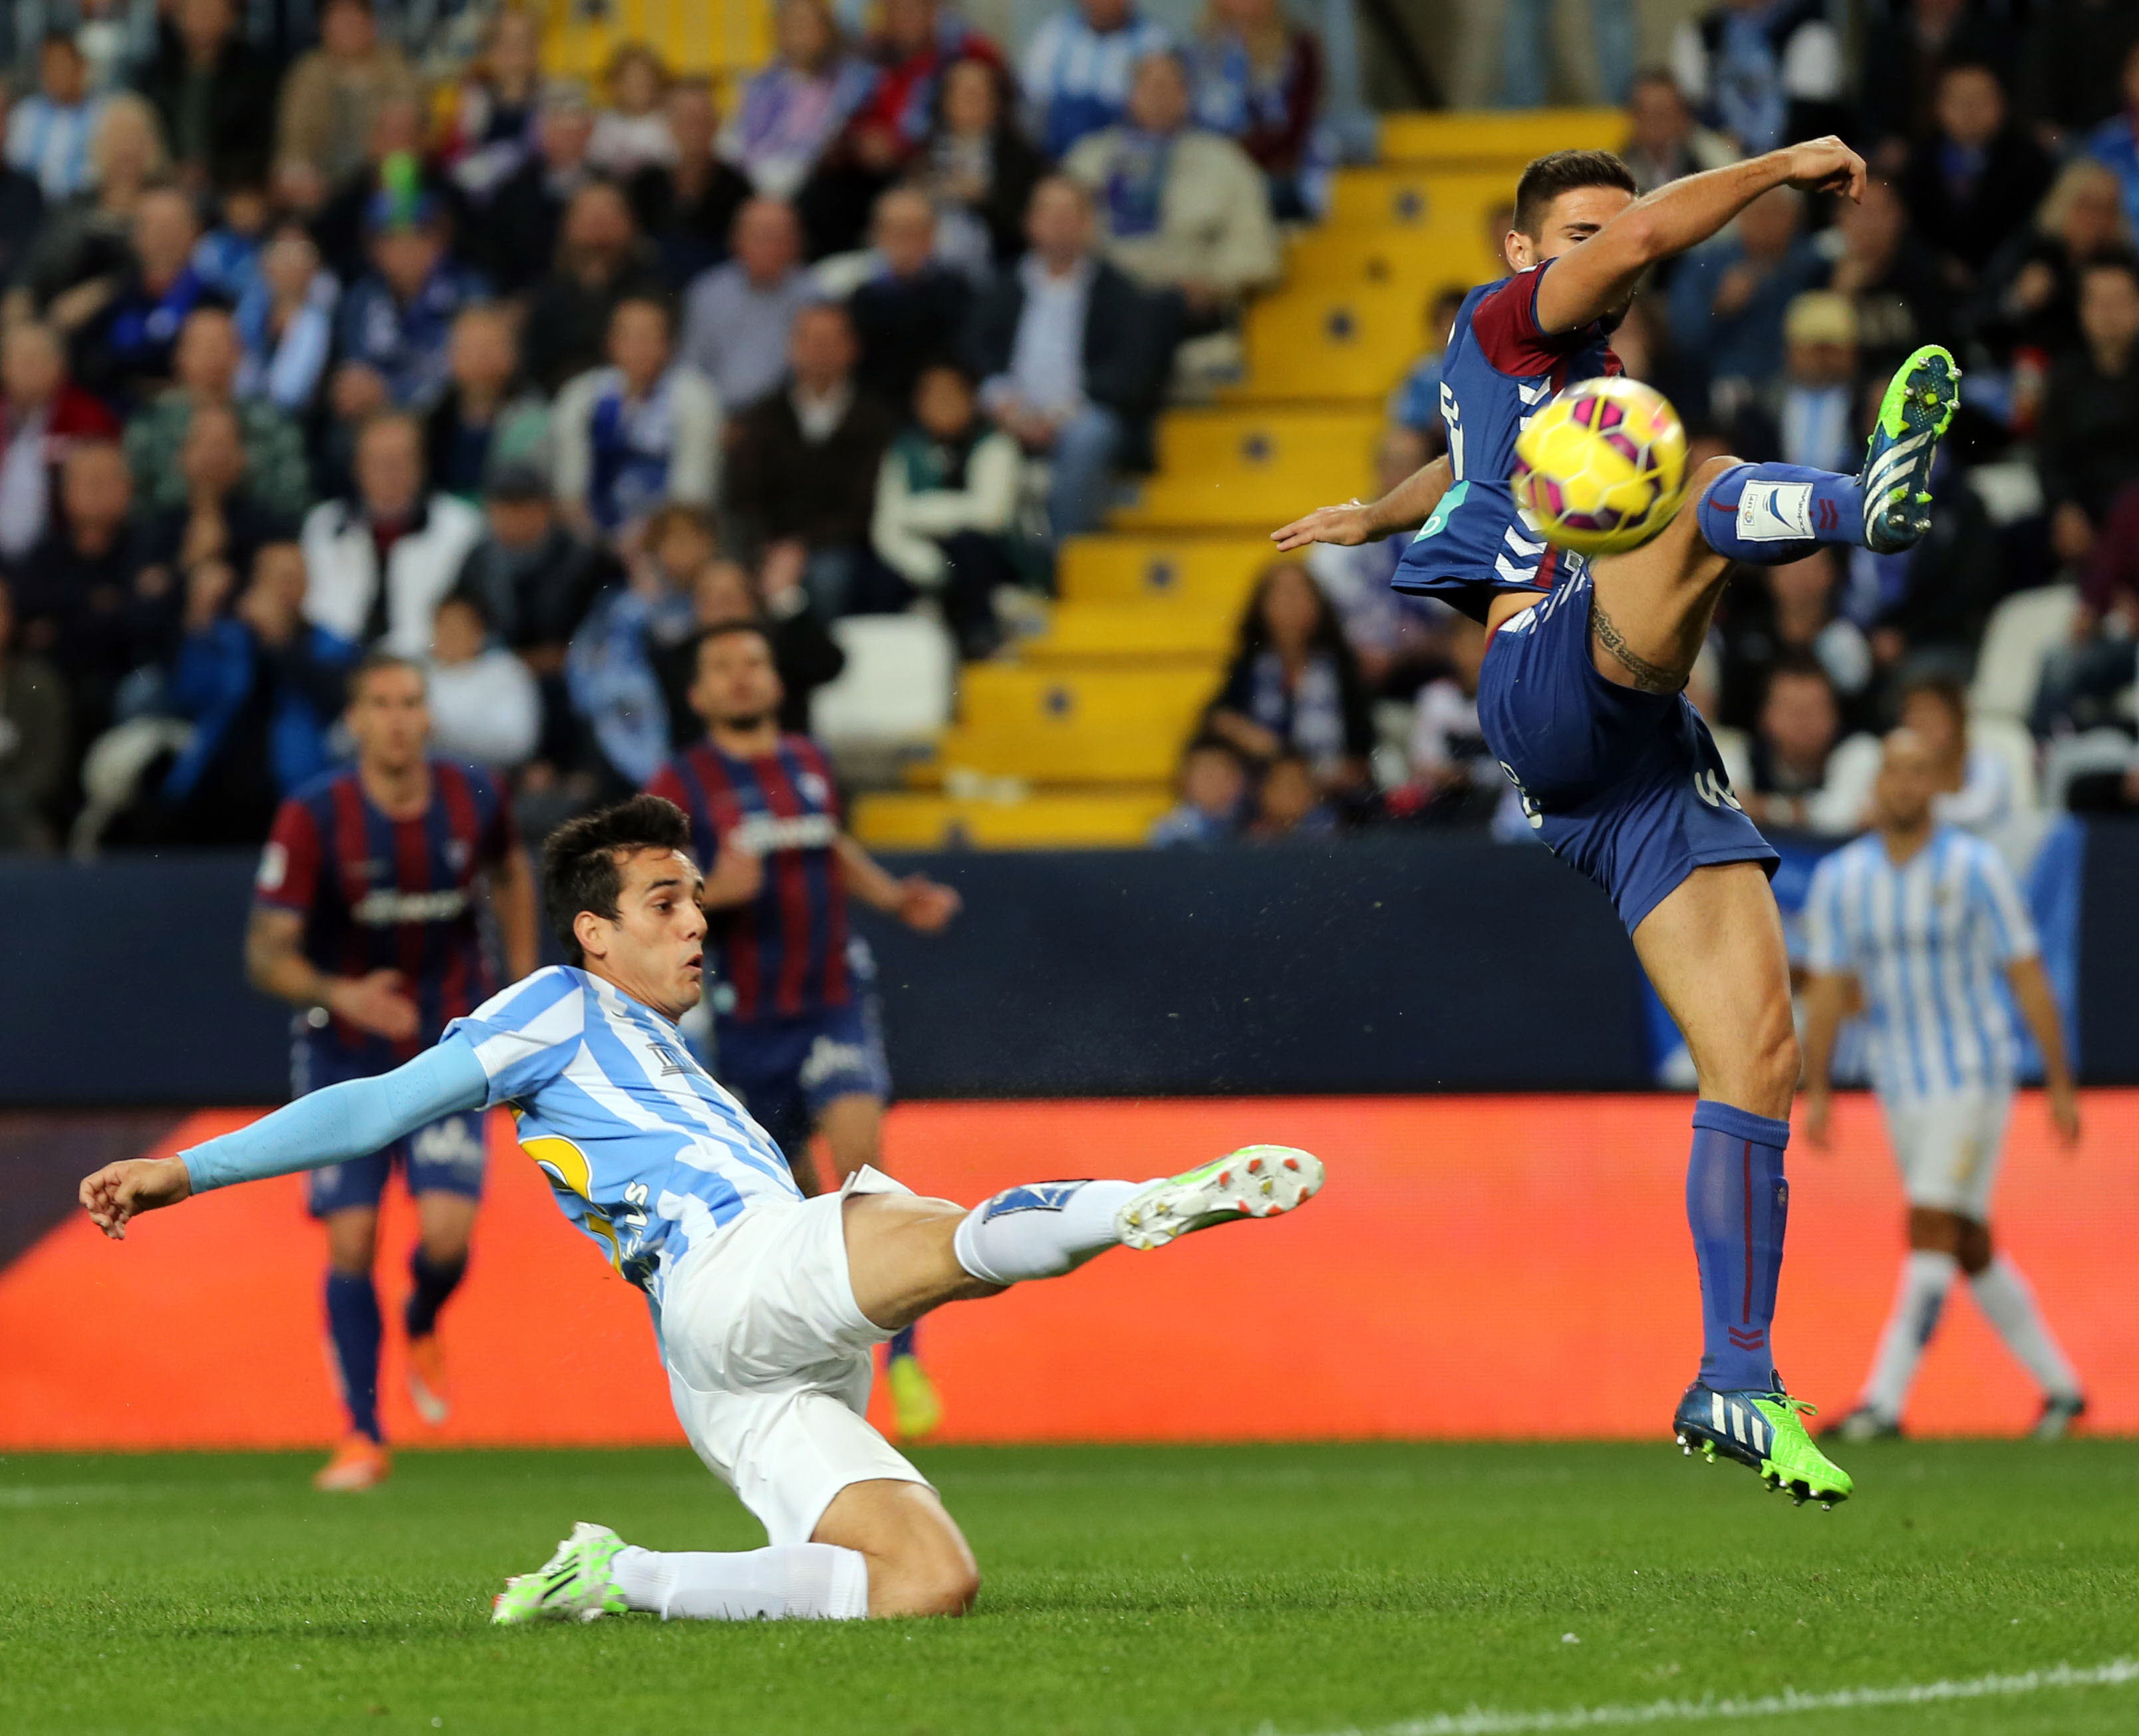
point(2023, 630)
point(896, 689)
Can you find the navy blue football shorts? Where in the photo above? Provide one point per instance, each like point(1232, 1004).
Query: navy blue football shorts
point(786, 1070)
point(445, 1156)
point(1627, 786)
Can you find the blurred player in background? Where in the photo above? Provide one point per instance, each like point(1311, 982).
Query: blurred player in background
point(1581, 698)
point(796, 1033)
point(365, 919)
point(1913, 925)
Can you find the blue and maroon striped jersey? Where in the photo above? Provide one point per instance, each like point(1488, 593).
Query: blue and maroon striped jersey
point(380, 894)
point(1501, 368)
point(785, 951)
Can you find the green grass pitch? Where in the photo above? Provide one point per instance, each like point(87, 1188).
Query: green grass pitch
point(1192, 1591)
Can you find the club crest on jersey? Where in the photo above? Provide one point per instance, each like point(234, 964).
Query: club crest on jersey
point(814, 789)
point(457, 850)
point(671, 1062)
point(1036, 1196)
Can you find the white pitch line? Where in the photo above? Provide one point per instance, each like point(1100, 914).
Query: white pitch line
point(2118, 1673)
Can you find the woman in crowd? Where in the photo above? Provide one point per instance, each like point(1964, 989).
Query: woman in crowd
point(2029, 299)
point(286, 322)
point(1259, 81)
point(632, 133)
point(978, 167)
point(1294, 686)
point(490, 131)
point(791, 112)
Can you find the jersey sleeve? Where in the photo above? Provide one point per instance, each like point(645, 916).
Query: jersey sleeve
point(2003, 912)
point(526, 1037)
point(1504, 324)
point(293, 861)
point(1825, 951)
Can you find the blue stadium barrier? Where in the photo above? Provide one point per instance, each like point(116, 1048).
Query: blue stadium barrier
point(1378, 964)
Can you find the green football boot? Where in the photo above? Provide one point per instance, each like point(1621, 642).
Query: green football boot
point(1765, 1431)
point(1257, 1181)
point(1916, 411)
point(574, 1585)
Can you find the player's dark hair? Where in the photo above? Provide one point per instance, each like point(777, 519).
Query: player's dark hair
point(753, 625)
point(583, 865)
point(1949, 690)
point(1799, 666)
point(370, 663)
point(1560, 172)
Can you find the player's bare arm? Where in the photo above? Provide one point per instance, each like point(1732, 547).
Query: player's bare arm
point(119, 1190)
point(738, 876)
point(1404, 507)
point(2038, 1006)
point(917, 901)
point(275, 964)
point(512, 899)
point(1829, 998)
point(1602, 253)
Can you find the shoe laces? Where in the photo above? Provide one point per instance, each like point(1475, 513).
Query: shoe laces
point(1801, 1406)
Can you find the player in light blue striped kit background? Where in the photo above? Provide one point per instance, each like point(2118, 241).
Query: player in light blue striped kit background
point(1914, 925)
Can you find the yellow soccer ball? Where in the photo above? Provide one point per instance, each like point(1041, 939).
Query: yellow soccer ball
point(1600, 468)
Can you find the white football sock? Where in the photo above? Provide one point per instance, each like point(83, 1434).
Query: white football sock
point(2008, 1304)
point(1926, 1276)
point(818, 1582)
point(1040, 1230)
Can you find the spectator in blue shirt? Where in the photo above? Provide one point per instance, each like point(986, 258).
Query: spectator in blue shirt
point(393, 324)
point(1213, 786)
point(1078, 69)
point(1728, 298)
point(2115, 144)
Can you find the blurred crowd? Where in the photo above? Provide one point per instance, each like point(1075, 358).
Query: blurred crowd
point(329, 324)
point(2000, 221)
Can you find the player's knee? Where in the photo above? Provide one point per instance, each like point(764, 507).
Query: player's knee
point(944, 1583)
point(1706, 474)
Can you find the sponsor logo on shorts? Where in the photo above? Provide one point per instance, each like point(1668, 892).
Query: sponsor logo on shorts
point(452, 1144)
point(829, 1060)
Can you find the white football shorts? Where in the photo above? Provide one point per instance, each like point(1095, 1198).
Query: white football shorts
point(769, 1361)
point(1949, 1148)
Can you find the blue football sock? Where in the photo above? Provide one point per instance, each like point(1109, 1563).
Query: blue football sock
point(434, 1281)
point(1770, 513)
point(903, 1342)
point(1737, 1203)
point(354, 1328)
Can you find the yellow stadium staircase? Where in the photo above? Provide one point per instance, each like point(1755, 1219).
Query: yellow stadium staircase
point(1072, 740)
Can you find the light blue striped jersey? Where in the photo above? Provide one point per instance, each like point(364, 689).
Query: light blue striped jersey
point(645, 1153)
point(1928, 941)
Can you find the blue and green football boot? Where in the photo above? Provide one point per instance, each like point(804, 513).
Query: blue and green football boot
point(1916, 411)
point(1766, 1432)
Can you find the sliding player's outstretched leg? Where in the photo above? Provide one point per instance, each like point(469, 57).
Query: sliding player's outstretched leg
point(855, 1531)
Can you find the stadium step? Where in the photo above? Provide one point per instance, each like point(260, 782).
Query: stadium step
point(1236, 467)
point(1067, 754)
point(730, 37)
point(1421, 201)
point(1160, 631)
point(1317, 343)
point(1012, 697)
point(1199, 573)
point(1511, 136)
point(1053, 820)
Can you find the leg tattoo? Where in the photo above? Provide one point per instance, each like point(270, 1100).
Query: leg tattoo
point(1648, 678)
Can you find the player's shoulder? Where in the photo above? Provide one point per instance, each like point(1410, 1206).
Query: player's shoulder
point(1978, 856)
point(806, 748)
point(321, 786)
point(539, 993)
point(1838, 864)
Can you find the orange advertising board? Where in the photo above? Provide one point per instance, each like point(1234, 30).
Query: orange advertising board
point(1478, 1267)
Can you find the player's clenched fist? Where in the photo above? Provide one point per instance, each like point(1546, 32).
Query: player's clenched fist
point(1826, 165)
point(117, 1191)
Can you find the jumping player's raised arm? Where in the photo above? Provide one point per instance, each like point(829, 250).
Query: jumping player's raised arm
point(1589, 281)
